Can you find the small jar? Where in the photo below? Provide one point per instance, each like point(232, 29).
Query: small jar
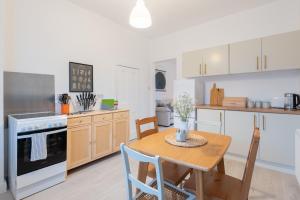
point(258, 104)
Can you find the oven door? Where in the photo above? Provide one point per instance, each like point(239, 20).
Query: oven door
point(56, 150)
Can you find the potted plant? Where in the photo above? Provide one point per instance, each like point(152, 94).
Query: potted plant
point(183, 107)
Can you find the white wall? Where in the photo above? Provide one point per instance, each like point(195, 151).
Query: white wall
point(2, 38)
point(47, 34)
point(277, 17)
point(169, 66)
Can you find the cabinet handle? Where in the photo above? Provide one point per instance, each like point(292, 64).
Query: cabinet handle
point(265, 62)
point(205, 69)
point(264, 122)
point(200, 68)
point(257, 63)
point(220, 117)
point(254, 122)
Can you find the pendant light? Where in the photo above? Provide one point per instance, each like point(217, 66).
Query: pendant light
point(140, 16)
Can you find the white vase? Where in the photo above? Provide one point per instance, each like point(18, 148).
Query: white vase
point(181, 134)
point(184, 126)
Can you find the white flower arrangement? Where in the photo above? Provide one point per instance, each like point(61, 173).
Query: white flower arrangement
point(184, 106)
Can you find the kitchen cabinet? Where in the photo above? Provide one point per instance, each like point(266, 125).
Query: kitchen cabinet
point(277, 137)
point(216, 61)
point(192, 64)
point(94, 135)
point(245, 56)
point(210, 120)
point(281, 51)
point(102, 139)
point(79, 145)
point(206, 62)
point(121, 130)
point(240, 126)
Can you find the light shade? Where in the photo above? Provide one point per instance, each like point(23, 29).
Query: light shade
point(140, 16)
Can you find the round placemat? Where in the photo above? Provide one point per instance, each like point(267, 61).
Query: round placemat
point(193, 140)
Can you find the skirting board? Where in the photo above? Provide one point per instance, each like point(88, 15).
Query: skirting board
point(267, 165)
point(3, 186)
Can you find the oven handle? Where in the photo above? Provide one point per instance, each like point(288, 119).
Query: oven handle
point(48, 133)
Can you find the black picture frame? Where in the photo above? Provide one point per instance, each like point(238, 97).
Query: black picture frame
point(81, 77)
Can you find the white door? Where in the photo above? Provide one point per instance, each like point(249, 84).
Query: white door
point(210, 120)
point(245, 56)
point(192, 64)
point(240, 126)
point(216, 61)
point(277, 143)
point(127, 93)
point(281, 51)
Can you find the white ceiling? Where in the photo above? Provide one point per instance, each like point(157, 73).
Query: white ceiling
point(169, 15)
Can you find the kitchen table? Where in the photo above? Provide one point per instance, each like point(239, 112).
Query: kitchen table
point(201, 159)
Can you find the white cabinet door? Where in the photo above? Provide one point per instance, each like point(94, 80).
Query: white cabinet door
point(245, 56)
point(216, 60)
point(240, 126)
point(277, 137)
point(192, 64)
point(210, 120)
point(281, 51)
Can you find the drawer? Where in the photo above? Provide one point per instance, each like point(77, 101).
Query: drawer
point(104, 117)
point(79, 121)
point(121, 115)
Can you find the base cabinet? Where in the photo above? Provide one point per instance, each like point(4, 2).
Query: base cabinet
point(120, 135)
point(93, 137)
point(102, 139)
point(240, 126)
point(79, 146)
point(210, 120)
point(278, 138)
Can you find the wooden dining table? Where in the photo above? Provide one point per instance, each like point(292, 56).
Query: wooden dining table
point(200, 159)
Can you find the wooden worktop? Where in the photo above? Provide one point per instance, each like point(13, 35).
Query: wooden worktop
point(260, 110)
point(96, 112)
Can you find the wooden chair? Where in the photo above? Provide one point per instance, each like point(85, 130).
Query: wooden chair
point(220, 186)
point(157, 188)
point(173, 173)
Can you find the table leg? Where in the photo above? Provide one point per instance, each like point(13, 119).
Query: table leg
point(142, 173)
point(221, 167)
point(199, 184)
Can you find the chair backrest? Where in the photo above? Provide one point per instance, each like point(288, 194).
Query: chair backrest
point(132, 181)
point(149, 120)
point(247, 177)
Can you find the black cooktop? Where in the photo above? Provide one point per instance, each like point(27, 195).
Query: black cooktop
point(34, 115)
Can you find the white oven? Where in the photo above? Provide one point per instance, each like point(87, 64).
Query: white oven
point(27, 177)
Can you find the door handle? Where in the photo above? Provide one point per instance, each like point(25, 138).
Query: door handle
point(200, 66)
point(266, 62)
point(264, 122)
point(257, 63)
point(205, 69)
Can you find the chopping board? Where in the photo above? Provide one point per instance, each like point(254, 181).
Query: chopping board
point(216, 96)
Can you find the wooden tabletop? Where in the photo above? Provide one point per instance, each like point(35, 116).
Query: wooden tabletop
point(202, 158)
point(259, 110)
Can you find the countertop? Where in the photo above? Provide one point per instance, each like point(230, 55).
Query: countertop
point(260, 110)
point(96, 112)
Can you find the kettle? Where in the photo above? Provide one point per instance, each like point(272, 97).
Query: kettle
point(291, 101)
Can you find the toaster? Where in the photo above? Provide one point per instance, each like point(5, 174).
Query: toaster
point(277, 102)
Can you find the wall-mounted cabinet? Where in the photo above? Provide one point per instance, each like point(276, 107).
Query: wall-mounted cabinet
point(245, 56)
point(207, 62)
point(281, 51)
point(278, 52)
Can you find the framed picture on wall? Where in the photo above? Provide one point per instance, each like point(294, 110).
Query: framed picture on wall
point(80, 77)
point(160, 80)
